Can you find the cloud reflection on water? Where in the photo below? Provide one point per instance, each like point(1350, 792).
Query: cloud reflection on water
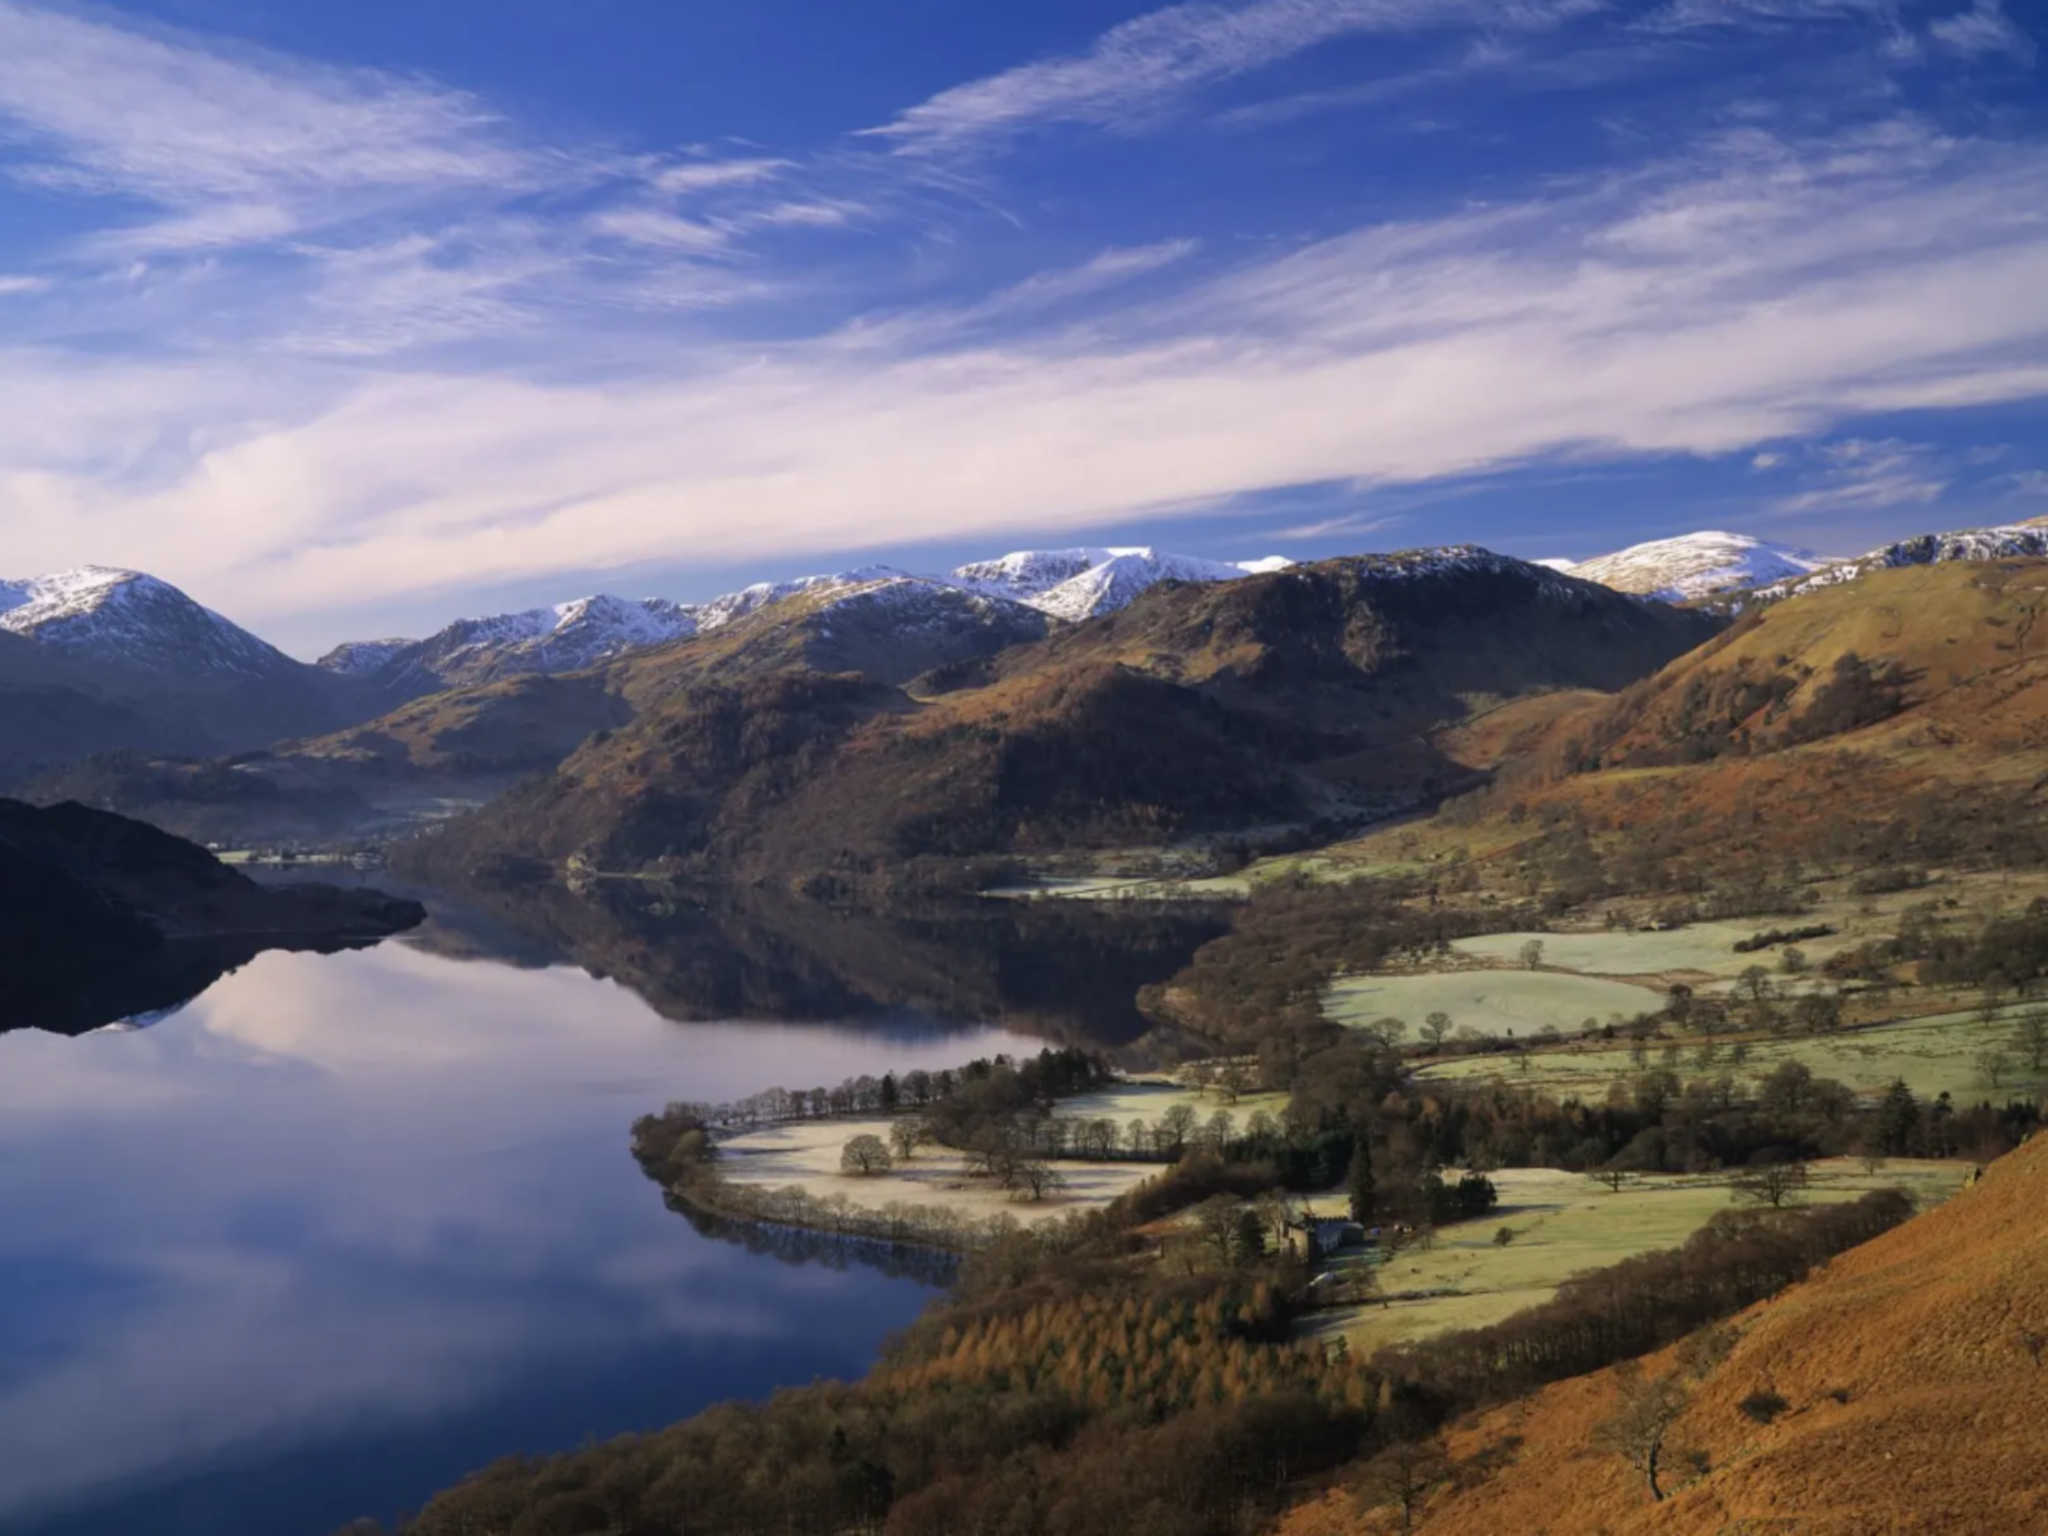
point(376, 1192)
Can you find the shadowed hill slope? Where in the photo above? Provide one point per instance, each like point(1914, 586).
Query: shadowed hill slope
point(468, 744)
point(1301, 697)
point(100, 916)
point(1914, 1397)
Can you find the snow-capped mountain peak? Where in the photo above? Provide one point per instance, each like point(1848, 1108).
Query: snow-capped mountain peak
point(1695, 565)
point(135, 619)
point(1026, 573)
point(359, 658)
point(1082, 583)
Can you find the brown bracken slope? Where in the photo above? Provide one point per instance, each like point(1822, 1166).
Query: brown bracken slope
point(1900, 718)
point(1916, 1396)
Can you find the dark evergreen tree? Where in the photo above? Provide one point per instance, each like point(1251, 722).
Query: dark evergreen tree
point(1365, 1195)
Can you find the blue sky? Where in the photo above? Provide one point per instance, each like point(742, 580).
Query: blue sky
point(351, 318)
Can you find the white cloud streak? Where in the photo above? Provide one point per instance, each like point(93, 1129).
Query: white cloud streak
point(1859, 476)
point(1763, 293)
point(1983, 29)
point(707, 175)
point(226, 143)
point(1143, 67)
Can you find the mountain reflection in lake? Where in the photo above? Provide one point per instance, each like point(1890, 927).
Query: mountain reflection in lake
point(1062, 971)
point(347, 1227)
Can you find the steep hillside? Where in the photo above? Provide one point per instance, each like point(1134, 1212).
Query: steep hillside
point(1896, 722)
point(1940, 659)
point(56, 709)
point(2013, 541)
point(1290, 698)
point(1903, 1388)
point(1911, 705)
point(95, 908)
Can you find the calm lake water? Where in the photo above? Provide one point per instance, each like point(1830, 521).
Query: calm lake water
point(348, 1227)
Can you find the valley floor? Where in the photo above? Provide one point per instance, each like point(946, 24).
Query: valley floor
point(1565, 1224)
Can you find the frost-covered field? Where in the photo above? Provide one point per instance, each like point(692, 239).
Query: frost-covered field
point(1149, 1100)
point(806, 1154)
point(1493, 1002)
point(1565, 1223)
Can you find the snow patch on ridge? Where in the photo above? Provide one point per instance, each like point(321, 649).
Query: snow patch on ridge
point(2013, 541)
point(1695, 565)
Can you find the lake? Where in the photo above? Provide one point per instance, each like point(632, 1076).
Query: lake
point(347, 1227)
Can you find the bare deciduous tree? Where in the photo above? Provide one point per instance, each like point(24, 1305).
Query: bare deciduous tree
point(1403, 1475)
point(906, 1136)
point(1773, 1184)
point(1993, 1067)
point(865, 1155)
point(1036, 1178)
point(1641, 1423)
point(2030, 1036)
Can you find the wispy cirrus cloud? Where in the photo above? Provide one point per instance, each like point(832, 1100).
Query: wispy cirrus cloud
point(1142, 68)
point(701, 175)
point(1984, 28)
point(1041, 294)
point(351, 211)
point(219, 142)
point(1858, 475)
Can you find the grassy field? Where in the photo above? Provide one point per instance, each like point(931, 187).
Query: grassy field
point(1565, 1224)
point(1494, 1002)
point(1932, 1055)
point(1702, 949)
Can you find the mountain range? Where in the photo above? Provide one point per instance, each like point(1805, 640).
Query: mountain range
point(1303, 697)
point(1065, 584)
point(123, 692)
